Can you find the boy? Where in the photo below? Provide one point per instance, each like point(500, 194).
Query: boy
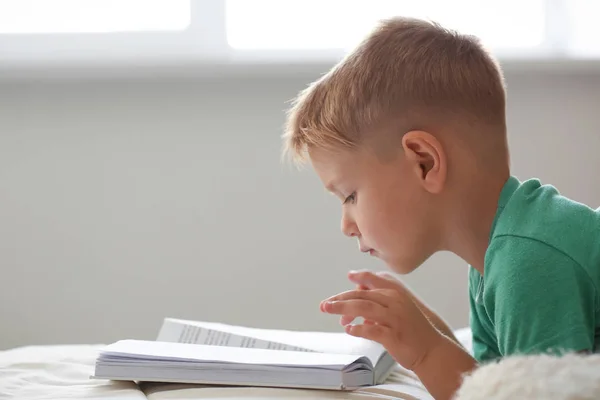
point(409, 132)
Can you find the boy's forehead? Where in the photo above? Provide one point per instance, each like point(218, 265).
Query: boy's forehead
point(329, 161)
point(334, 167)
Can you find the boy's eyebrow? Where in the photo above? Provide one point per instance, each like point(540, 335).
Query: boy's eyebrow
point(332, 189)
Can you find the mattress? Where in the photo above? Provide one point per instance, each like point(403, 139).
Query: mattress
point(63, 371)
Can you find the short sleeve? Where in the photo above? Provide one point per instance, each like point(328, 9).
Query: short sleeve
point(484, 346)
point(539, 299)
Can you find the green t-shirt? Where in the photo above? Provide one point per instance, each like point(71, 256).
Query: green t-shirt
point(539, 291)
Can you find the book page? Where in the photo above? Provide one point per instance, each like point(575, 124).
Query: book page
point(322, 342)
point(181, 332)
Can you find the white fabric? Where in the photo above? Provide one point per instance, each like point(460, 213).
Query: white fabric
point(58, 372)
point(401, 385)
point(465, 338)
point(542, 376)
point(63, 372)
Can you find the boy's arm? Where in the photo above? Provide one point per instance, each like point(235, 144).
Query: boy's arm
point(444, 367)
point(435, 319)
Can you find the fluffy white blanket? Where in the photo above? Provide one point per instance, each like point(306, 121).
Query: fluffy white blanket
point(571, 377)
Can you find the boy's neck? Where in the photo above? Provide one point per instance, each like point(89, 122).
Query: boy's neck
point(469, 229)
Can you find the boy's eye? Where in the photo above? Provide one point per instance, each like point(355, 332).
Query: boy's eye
point(350, 198)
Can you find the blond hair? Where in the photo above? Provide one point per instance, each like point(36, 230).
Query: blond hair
point(405, 69)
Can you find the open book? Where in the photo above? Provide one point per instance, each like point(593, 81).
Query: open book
point(214, 353)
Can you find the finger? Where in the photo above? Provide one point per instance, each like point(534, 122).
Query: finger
point(384, 297)
point(360, 308)
point(346, 319)
point(371, 280)
point(377, 333)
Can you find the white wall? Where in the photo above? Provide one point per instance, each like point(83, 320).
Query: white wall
point(125, 202)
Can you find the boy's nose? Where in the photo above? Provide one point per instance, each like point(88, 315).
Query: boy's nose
point(349, 228)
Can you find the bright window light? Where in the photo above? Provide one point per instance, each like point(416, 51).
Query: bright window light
point(92, 16)
point(585, 30)
point(340, 24)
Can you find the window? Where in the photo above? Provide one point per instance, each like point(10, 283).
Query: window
point(92, 16)
point(339, 24)
point(584, 27)
point(42, 36)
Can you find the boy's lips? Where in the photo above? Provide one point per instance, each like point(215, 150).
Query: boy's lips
point(367, 250)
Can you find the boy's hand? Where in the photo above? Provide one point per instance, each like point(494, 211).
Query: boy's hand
point(391, 318)
point(364, 280)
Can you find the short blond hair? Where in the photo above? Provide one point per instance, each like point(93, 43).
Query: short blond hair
point(408, 69)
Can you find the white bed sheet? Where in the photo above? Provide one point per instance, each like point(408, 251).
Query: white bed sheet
point(62, 372)
point(58, 372)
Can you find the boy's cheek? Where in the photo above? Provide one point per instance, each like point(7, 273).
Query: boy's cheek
point(377, 235)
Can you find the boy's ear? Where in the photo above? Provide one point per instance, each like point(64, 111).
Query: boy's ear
point(428, 159)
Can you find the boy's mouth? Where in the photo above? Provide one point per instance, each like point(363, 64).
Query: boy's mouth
point(367, 250)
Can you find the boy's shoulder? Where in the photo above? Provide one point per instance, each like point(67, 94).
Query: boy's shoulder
point(542, 272)
point(532, 212)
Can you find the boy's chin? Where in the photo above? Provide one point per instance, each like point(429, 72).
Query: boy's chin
point(408, 261)
point(401, 266)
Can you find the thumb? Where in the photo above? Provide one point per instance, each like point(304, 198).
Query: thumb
point(370, 280)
